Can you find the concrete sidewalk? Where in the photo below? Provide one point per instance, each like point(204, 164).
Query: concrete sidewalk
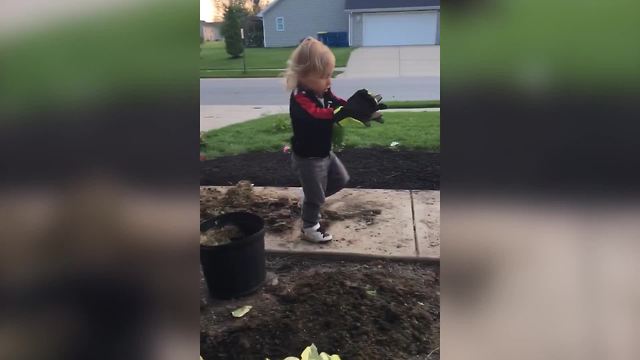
point(218, 116)
point(408, 225)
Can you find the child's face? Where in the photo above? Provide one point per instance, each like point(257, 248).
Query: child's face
point(318, 83)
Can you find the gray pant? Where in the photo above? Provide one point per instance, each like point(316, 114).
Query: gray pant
point(320, 178)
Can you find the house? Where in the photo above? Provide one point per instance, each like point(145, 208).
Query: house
point(211, 31)
point(367, 22)
point(397, 22)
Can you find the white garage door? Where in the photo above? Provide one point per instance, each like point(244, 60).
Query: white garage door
point(402, 28)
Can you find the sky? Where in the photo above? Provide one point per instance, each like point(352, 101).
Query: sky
point(206, 10)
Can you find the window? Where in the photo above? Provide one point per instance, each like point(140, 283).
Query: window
point(279, 24)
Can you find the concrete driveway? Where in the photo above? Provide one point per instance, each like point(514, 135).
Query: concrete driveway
point(393, 61)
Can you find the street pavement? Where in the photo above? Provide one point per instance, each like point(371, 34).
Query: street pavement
point(271, 91)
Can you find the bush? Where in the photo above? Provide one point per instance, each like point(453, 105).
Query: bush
point(282, 124)
point(234, 15)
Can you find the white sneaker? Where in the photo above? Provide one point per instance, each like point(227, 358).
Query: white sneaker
point(316, 234)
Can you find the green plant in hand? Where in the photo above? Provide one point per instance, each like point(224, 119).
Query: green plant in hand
point(339, 132)
point(361, 108)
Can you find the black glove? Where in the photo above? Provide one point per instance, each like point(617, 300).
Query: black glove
point(377, 116)
point(360, 106)
point(381, 105)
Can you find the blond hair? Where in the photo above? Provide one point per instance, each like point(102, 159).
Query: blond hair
point(311, 57)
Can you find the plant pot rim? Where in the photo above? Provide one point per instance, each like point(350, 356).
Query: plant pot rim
point(247, 238)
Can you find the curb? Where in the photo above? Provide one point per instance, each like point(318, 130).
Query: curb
point(332, 255)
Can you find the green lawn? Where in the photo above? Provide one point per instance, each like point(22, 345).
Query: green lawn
point(413, 130)
point(418, 104)
point(566, 55)
point(88, 61)
point(214, 57)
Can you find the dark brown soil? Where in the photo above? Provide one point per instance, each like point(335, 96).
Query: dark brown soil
point(364, 310)
point(376, 168)
point(221, 235)
point(278, 213)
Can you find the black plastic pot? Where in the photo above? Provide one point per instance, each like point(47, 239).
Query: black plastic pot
point(238, 268)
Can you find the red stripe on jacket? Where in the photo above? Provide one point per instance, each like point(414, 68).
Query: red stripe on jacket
point(312, 108)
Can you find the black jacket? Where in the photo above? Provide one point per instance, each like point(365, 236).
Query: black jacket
point(312, 122)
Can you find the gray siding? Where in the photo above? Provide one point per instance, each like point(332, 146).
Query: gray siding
point(303, 18)
point(385, 4)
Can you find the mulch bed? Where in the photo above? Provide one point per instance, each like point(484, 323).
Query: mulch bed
point(358, 310)
point(375, 168)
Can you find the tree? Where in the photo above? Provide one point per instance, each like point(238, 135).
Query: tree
point(219, 6)
point(253, 33)
point(255, 7)
point(234, 16)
